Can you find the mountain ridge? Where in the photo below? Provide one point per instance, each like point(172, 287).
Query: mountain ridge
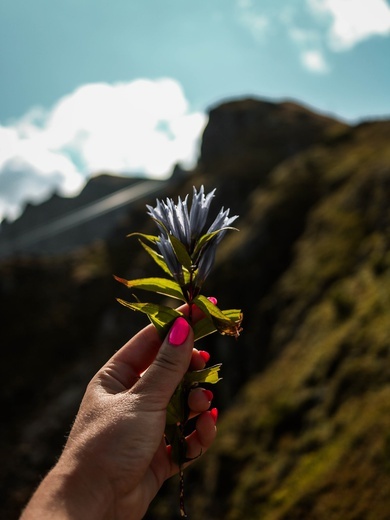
point(303, 429)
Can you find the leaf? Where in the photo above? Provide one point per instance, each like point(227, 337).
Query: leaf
point(236, 316)
point(158, 285)
point(209, 308)
point(177, 410)
point(150, 238)
point(186, 276)
point(176, 438)
point(233, 314)
point(161, 316)
point(206, 238)
point(180, 252)
point(206, 375)
point(159, 259)
point(226, 322)
point(203, 328)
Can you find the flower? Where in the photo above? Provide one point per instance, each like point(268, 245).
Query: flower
point(171, 260)
point(189, 228)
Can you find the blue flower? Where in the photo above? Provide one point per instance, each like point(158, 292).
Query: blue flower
point(189, 227)
point(173, 264)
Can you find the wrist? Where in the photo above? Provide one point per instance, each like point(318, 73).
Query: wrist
point(68, 493)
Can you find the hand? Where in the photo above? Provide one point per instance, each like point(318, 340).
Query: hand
point(116, 458)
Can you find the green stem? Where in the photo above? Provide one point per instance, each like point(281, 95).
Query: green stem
point(191, 295)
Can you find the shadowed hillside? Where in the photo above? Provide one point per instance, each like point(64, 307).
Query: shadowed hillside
point(305, 396)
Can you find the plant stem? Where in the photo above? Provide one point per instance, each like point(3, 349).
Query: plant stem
point(183, 513)
point(182, 440)
point(191, 295)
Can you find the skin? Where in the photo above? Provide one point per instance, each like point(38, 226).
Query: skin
point(116, 459)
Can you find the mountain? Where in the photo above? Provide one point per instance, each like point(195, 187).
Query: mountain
point(305, 396)
point(308, 436)
point(61, 224)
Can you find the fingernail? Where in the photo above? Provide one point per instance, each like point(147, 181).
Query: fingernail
point(179, 332)
point(213, 300)
point(214, 414)
point(204, 355)
point(209, 394)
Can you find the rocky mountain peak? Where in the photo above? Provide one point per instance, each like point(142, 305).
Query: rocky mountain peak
point(271, 131)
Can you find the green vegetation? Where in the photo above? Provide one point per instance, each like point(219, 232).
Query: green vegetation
point(304, 431)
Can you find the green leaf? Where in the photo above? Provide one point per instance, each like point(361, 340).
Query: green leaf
point(158, 285)
point(206, 375)
point(203, 328)
point(226, 322)
point(186, 276)
point(175, 437)
point(233, 314)
point(206, 238)
point(161, 316)
point(150, 238)
point(177, 410)
point(159, 259)
point(180, 252)
point(209, 308)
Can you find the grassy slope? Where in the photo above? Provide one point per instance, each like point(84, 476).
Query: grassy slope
point(310, 436)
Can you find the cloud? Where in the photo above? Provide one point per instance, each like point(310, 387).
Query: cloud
point(30, 172)
point(140, 127)
point(257, 23)
point(336, 26)
point(353, 21)
point(310, 48)
point(273, 20)
point(314, 61)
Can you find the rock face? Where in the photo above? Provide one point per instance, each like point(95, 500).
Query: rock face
point(261, 134)
point(305, 396)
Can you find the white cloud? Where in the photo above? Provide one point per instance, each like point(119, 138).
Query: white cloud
point(317, 27)
point(30, 171)
point(314, 61)
point(141, 127)
point(249, 16)
point(353, 21)
point(306, 40)
point(308, 43)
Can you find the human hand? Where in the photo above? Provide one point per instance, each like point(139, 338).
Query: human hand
point(116, 458)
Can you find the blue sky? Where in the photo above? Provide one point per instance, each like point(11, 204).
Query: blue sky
point(92, 85)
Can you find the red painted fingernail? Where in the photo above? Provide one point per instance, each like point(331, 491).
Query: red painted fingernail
point(214, 414)
point(179, 332)
point(209, 394)
point(204, 355)
point(213, 300)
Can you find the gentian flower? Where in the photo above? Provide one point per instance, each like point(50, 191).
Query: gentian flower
point(189, 229)
point(171, 260)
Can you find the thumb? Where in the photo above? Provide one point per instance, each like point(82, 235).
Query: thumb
point(160, 380)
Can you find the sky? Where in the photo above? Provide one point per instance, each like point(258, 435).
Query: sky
point(126, 85)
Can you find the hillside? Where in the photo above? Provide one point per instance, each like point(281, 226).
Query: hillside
point(305, 396)
point(309, 436)
point(62, 224)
